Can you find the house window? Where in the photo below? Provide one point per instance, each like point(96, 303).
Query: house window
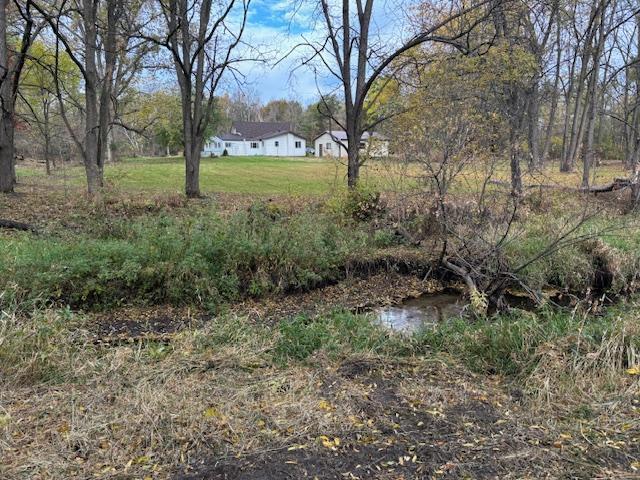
point(254, 144)
point(328, 146)
point(227, 144)
point(277, 143)
point(298, 144)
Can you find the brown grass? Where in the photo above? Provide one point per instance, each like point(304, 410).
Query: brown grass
point(72, 409)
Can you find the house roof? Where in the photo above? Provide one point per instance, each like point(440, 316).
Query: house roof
point(257, 131)
point(228, 137)
point(341, 135)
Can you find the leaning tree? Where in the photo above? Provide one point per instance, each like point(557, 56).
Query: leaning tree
point(16, 21)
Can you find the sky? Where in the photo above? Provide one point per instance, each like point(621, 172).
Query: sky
point(276, 27)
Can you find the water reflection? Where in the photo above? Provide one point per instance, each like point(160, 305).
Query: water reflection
point(418, 313)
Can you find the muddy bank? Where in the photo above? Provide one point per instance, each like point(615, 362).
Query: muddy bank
point(356, 294)
point(402, 302)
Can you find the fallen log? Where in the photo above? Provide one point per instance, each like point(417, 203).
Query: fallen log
point(10, 224)
point(617, 184)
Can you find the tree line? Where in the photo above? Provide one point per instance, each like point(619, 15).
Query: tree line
point(528, 81)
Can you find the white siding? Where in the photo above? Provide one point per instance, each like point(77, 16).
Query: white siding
point(330, 148)
point(326, 146)
point(213, 146)
point(286, 147)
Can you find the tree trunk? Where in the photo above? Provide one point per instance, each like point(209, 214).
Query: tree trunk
point(46, 133)
point(580, 110)
point(516, 171)
point(533, 104)
point(353, 166)
point(192, 173)
point(589, 153)
point(548, 136)
point(592, 98)
point(47, 160)
point(7, 169)
point(109, 149)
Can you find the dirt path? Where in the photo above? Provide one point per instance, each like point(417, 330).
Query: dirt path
point(416, 421)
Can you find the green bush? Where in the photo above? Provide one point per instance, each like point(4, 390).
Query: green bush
point(203, 259)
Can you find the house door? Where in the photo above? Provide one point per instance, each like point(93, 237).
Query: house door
point(320, 145)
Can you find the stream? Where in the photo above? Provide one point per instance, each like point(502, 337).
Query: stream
point(427, 310)
point(415, 314)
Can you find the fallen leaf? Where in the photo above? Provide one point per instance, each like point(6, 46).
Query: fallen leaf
point(635, 370)
point(329, 443)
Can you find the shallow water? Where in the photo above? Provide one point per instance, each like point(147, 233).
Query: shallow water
point(422, 312)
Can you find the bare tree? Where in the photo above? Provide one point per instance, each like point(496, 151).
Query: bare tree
point(356, 56)
point(11, 65)
point(94, 33)
point(201, 36)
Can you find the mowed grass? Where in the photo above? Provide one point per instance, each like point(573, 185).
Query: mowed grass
point(259, 175)
point(301, 176)
point(251, 175)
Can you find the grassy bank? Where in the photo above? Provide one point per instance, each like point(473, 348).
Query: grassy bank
point(234, 393)
point(199, 259)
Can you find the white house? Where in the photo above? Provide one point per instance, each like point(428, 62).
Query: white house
point(274, 139)
point(333, 143)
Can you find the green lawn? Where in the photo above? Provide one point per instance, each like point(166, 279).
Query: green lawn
point(259, 175)
point(292, 176)
point(256, 175)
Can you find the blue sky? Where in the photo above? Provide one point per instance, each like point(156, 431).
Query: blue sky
point(278, 25)
point(275, 27)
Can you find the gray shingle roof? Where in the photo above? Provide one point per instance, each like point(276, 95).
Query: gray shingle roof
point(229, 137)
point(257, 131)
point(260, 130)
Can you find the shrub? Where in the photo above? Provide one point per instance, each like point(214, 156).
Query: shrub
point(203, 259)
point(360, 203)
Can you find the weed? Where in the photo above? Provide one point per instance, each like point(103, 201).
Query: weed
point(361, 203)
point(202, 259)
point(40, 349)
point(340, 332)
